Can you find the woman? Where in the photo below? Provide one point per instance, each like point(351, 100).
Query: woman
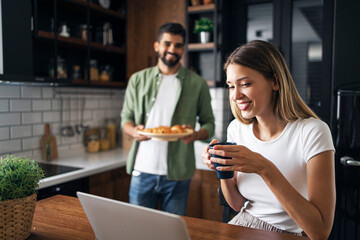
point(284, 157)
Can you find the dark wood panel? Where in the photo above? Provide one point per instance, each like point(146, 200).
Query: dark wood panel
point(203, 201)
point(144, 20)
point(121, 185)
point(194, 201)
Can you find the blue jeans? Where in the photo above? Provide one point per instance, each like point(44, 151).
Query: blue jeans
point(148, 189)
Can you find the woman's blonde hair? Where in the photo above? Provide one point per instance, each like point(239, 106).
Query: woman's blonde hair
point(266, 59)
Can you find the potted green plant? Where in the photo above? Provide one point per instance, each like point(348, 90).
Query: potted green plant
point(205, 28)
point(19, 179)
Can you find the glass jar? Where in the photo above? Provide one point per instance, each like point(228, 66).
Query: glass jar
point(111, 132)
point(93, 144)
point(94, 71)
point(105, 75)
point(83, 31)
point(76, 72)
point(61, 68)
point(104, 139)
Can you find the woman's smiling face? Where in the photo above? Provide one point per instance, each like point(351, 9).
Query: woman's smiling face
point(251, 91)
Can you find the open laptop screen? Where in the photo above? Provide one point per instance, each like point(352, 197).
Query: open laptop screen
point(111, 219)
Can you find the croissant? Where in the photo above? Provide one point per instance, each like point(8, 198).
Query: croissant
point(165, 129)
point(177, 129)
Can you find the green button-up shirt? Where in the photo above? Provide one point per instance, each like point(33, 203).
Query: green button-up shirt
point(192, 100)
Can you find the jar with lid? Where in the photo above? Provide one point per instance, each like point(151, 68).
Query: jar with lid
point(104, 139)
point(111, 132)
point(83, 31)
point(76, 72)
point(105, 74)
point(61, 68)
point(94, 71)
point(93, 143)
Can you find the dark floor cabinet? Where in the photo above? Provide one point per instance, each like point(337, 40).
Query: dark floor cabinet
point(112, 184)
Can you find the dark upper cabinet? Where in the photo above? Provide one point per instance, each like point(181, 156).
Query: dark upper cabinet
point(65, 42)
point(204, 55)
point(17, 51)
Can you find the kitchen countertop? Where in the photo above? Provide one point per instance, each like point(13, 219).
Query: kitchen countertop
point(94, 163)
point(90, 164)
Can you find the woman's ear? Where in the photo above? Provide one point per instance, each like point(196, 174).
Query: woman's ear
point(275, 83)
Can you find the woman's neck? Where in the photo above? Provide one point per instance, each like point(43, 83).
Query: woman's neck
point(269, 129)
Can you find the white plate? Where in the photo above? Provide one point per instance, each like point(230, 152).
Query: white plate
point(166, 136)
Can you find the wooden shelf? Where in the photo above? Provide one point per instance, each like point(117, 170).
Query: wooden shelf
point(98, 83)
point(77, 2)
point(107, 48)
point(81, 43)
point(201, 46)
point(108, 12)
point(95, 7)
point(109, 84)
point(79, 81)
point(201, 8)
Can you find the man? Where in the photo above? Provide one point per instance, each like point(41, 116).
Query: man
point(165, 95)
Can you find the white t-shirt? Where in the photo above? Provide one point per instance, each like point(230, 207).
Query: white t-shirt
point(290, 152)
point(152, 155)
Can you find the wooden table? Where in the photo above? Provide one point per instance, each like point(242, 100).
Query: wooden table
point(62, 217)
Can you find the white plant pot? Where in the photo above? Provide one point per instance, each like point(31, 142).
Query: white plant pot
point(205, 37)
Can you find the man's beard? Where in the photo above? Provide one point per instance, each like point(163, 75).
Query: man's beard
point(170, 63)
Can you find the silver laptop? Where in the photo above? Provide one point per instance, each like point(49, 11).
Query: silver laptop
point(111, 219)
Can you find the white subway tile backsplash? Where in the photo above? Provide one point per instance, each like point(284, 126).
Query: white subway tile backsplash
point(29, 118)
point(38, 130)
point(105, 103)
point(30, 107)
point(92, 104)
point(4, 105)
point(55, 104)
point(20, 131)
point(50, 117)
point(112, 114)
point(69, 140)
point(64, 116)
point(8, 119)
point(4, 133)
point(30, 92)
point(10, 146)
point(116, 103)
point(77, 146)
point(87, 115)
point(55, 128)
point(9, 91)
point(48, 92)
point(98, 114)
point(30, 143)
point(74, 115)
point(41, 105)
point(18, 105)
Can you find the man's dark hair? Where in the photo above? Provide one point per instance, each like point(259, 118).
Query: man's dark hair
point(172, 28)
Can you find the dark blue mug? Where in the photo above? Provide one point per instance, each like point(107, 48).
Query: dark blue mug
point(222, 174)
